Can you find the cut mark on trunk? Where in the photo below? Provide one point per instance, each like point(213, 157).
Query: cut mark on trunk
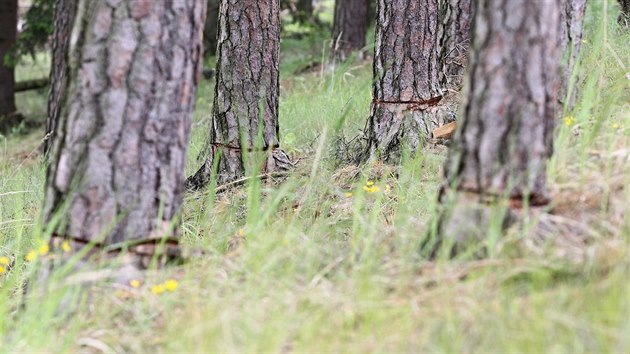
point(409, 106)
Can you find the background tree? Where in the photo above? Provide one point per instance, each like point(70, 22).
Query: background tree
point(456, 17)
point(407, 90)
point(211, 28)
point(572, 23)
point(117, 162)
point(246, 93)
point(8, 33)
point(349, 27)
point(501, 148)
point(304, 11)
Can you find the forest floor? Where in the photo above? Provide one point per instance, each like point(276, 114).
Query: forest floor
point(315, 262)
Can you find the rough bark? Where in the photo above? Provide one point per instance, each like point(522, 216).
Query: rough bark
point(624, 15)
point(407, 90)
point(572, 23)
point(456, 26)
point(246, 93)
point(8, 33)
point(64, 15)
point(116, 171)
point(349, 28)
point(501, 148)
point(211, 28)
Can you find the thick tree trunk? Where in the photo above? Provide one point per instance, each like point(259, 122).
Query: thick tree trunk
point(64, 15)
point(624, 15)
point(501, 148)
point(8, 33)
point(349, 27)
point(211, 28)
point(572, 23)
point(407, 89)
point(116, 171)
point(456, 27)
point(246, 92)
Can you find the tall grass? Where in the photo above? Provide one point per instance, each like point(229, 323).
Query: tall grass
point(300, 265)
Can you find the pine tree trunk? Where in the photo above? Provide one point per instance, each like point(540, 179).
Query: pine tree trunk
point(407, 90)
point(8, 33)
point(64, 15)
point(246, 92)
point(211, 28)
point(501, 148)
point(349, 28)
point(624, 15)
point(572, 13)
point(116, 171)
point(457, 16)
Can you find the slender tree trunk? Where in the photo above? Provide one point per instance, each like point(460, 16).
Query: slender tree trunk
point(407, 89)
point(371, 12)
point(211, 28)
point(624, 15)
point(349, 27)
point(572, 13)
point(8, 33)
point(304, 13)
point(456, 27)
point(501, 148)
point(116, 171)
point(246, 92)
point(64, 15)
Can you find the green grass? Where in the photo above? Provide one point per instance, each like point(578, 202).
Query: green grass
point(319, 271)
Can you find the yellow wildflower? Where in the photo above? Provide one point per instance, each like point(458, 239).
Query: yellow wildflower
point(135, 283)
point(369, 183)
point(241, 232)
point(616, 126)
point(584, 41)
point(170, 285)
point(157, 289)
point(2, 270)
point(569, 121)
point(30, 256)
point(371, 189)
point(43, 249)
point(388, 188)
point(5, 261)
point(65, 246)
point(348, 194)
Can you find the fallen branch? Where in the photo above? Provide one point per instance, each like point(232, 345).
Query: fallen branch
point(29, 85)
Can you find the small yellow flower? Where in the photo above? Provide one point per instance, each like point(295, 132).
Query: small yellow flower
point(171, 285)
point(43, 250)
point(371, 189)
point(65, 246)
point(584, 41)
point(2, 270)
point(241, 232)
point(369, 183)
point(135, 283)
point(616, 126)
point(388, 188)
point(30, 256)
point(568, 121)
point(157, 289)
point(5, 261)
point(348, 194)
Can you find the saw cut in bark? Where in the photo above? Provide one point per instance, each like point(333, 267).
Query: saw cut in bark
point(407, 93)
point(116, 167)
point(245, 114)
point(498, 160)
